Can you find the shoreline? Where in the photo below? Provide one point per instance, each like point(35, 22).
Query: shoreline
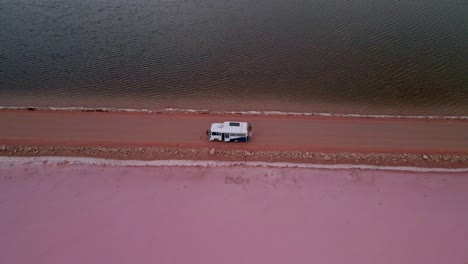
point(169, 110)
point(148, 154)
point(88, 161)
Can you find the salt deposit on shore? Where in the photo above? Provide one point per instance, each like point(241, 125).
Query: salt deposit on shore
point(204, 154)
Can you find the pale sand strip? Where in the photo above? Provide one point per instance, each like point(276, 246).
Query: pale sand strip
point(52, 160)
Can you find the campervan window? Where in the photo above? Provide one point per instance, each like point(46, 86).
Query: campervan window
point(234, 124)
point(238, 134)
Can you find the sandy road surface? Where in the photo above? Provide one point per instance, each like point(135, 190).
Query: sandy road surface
point(270, 132)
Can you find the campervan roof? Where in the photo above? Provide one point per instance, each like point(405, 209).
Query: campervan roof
point(230, 127)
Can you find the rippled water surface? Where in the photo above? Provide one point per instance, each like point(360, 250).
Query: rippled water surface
point(340, 56)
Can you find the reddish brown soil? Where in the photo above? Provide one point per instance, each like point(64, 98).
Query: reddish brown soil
point(276, 138)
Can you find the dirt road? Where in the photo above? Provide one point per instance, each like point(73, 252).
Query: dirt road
point(269, 132)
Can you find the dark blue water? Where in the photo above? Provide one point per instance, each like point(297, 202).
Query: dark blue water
point(339, 56)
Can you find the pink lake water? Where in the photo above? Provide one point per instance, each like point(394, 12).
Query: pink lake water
point(53, 213)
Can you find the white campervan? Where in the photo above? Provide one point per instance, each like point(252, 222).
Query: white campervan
point(229, 131)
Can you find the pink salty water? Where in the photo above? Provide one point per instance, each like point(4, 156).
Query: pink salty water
point(104, 214)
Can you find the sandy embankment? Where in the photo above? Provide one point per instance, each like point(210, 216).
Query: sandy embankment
point(158, 136)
